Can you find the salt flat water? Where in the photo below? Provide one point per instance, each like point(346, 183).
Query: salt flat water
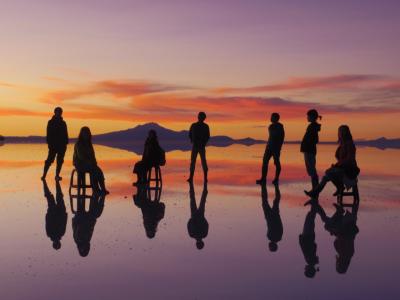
point(235, 263)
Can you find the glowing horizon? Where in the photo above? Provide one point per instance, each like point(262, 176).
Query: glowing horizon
point(116, 64)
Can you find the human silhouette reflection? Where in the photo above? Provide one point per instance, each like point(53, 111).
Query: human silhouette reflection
point(84, 221)
point(153, 210)
point(307, 243)
point(273, 217)
point(197, 225)
point(56, 216)
point(343, 225)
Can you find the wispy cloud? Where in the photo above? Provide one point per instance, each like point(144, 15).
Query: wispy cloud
point(302, 83)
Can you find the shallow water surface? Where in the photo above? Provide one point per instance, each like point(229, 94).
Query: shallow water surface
point(124, 247)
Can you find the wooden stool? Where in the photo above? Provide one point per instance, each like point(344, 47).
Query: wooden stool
point(157, 177)
point(351, 191)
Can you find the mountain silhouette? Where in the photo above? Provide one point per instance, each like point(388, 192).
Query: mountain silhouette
point(133, 139)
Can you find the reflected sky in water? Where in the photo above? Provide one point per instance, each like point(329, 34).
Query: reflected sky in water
point(125, 246)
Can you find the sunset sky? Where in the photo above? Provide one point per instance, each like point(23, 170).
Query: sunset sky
point(115, 64)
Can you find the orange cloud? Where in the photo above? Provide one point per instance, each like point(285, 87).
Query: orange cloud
point(328, 82)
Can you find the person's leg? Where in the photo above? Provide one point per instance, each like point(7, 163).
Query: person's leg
point(101, 180)
point(264, 169)
point(310, 162)
point(203, 158)
point(50, 159)
point(277, 163)
point(193, 162)
point(60, 161)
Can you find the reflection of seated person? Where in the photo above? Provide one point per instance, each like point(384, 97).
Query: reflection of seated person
point(197, 225)
point(153, 156)
point(345, 169)
point(56, 217)
point(308, 245)
point(153, 211)
point(343, 225)
point(273, 217)
point(84, 221)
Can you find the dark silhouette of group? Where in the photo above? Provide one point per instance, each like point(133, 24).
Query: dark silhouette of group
point(343, 174)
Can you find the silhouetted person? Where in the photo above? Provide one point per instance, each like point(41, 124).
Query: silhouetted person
point(84, 221)
point(273, 217)
point(153, 156)
point(85, 160)
point(343, 225)
point(199, 135)
point(308, 245)
point(153, 211)
point(197, 225)
point(276, 136)
point(57, 140)
point(309, 145)
point(56, 216)
point(345, 167)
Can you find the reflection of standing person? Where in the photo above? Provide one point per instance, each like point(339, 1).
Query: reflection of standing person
point(84, 221)
point(197, 225)
point(56, 216)
point(308, 245)
point(309, 145)
point(273, 217)
point(276, 136)
point(199, 135)
point(57, 140)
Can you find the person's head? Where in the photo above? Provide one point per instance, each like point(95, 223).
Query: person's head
point(342, 263)
point(58, 111)
point(84, 249)
point(85, 135)
point(201, 116)
point(313, 115)
point(152, 135)
point(56, 245)
point(344, 134)
point(199, 244)
point(310, 271)
point(273, 247)
point(275, 117)
point(150, 233)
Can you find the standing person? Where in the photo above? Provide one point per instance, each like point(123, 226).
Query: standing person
point(345, 169)
point(57, 140)
point(199, 135)
point(276, 137)
point(85, 160)
point(309, 145)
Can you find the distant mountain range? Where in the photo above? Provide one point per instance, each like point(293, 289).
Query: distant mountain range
point(133, 139)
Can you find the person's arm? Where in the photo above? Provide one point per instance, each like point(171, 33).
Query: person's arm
point(66, 133)
point(348, 156)
point(48, 132)
point(207, 133)
point(191, 133)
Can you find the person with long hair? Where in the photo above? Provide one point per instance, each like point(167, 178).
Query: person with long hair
point(309, 145)
point(345, 167)
point(153, 156)
point(85, 160)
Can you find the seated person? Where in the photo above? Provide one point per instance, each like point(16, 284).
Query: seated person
point(85, 160)
point(153, 156)
point(346, 166)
